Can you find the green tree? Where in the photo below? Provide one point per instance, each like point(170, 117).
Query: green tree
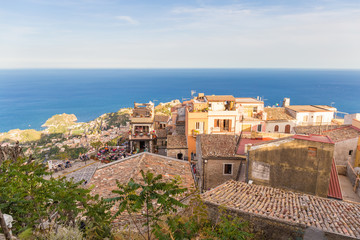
point(153, 199)
point(33, 200)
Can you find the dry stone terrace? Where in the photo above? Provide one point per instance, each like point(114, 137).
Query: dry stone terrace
point(324, 214)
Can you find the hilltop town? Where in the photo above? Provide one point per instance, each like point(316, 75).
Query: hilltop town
point(291, 171)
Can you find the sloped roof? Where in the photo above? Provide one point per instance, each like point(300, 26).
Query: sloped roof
point(277, 113)
point(335, 132)
point(334, 184)
point(142, 120)
point(217, 145)
point(176, 141)
point(325, 214)
point(105, 177)
point(248, 100)
point(220, 98)
point(311, 137)
point(314, 129)
point(161, 118)
point(344, 133)
point(314, 138)
point(310, 108)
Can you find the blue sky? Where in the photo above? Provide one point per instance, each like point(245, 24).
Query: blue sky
point(179, 34)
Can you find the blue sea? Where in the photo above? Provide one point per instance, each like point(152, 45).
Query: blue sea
point(29, 97)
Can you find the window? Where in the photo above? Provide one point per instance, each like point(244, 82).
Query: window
point(276, 128)
point(312, 151)
point(216, 122)
point(350, 152)
point(200, 126)
point(255, 110)
point(259, 128)
point(306, 118)
point(228, 168)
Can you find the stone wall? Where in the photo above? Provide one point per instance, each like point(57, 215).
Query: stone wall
point(352, 177)
point(292, 164)
point(214, 172)
point(174, 153)
point(268, 228)
point(341, 151)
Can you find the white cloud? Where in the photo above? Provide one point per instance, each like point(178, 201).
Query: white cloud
point(127, 19)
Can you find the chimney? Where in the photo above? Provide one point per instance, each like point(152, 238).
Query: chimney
point(286, 102)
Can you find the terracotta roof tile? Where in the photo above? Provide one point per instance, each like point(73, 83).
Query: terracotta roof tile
point(176, 141)
point(314, 129)
point(161, 118)
point(326, 214)
point(218, 145)
point(344, 133)
point(104, 179)
point(335, 132)
point(277, 113)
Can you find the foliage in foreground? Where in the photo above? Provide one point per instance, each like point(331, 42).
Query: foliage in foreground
point(152, 200)
point(156, 202)
point(42, 205)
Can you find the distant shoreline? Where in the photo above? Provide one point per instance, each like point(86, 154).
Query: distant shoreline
point(29, 97)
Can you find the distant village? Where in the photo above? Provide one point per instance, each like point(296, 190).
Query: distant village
point(293, 171)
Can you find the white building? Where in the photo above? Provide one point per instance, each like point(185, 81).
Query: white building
point(278, 121)
point(306, 115)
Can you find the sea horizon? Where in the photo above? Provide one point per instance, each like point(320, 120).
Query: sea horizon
point(28, 97)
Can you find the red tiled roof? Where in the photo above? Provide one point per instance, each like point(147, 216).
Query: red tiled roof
point(328, 215)
point(314, 138)
point(334, 185)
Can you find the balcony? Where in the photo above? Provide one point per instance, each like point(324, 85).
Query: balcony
point(141, 136)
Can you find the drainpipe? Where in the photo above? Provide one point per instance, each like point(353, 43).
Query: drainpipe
point(247, 166)
point(203, 178)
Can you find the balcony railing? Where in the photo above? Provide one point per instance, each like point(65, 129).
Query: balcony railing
point(141, 136)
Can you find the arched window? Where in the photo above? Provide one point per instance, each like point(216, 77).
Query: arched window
point(276, 128)
point(287, 128)
point(179, 156)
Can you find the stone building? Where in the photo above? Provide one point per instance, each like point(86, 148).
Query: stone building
point(345, 138)
point(216, 160)
point(177, 147)
point(299, 163)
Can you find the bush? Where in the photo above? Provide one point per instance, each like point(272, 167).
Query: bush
point(66, 233)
